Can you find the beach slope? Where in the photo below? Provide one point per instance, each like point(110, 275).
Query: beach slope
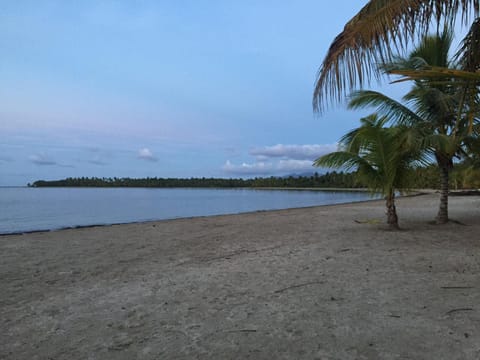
point(328, 282)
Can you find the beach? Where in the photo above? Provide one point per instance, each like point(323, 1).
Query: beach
point(327, 282)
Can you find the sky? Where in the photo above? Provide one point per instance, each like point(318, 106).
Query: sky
point(165, 88)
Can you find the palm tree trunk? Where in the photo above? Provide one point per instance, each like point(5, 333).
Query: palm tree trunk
point(392, 218)
point(442, 216)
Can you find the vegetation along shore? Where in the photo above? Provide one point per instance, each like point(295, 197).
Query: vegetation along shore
point(462, 177)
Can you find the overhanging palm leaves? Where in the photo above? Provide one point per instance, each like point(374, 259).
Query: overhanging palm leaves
point(380, 29)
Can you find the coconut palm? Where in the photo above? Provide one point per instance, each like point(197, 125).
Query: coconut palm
point(375, 34)
point(444, 110)
point(443, 144)
point(382, 157)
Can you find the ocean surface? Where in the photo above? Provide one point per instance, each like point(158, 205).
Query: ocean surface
point(31, 209)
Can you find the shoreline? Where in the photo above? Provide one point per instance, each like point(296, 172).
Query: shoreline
point(176, 218)
point(294, 283)
point(413, 193)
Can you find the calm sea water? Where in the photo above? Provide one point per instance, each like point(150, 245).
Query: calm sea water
point(30, 209)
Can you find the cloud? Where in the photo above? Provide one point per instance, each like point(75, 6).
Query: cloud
point(282, 167)
point(146, 154)
point(295, 152)
point(280, 160)
point(259, 168)
point(41, 159)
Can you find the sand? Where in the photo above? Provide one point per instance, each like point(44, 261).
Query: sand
point(328, 282)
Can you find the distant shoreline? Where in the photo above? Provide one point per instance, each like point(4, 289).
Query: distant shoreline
point(329, 179)
point(412, 194)
point(27, 227)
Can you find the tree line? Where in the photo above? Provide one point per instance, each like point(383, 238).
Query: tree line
point(329, 179)
point(424, 178)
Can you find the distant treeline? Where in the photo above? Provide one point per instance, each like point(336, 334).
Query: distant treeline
point(330, 179)
point(424, 178)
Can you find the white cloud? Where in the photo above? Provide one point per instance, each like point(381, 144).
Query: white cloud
point(282, 167)
point(146, 154)
point(295, 152)
point(280, 160)
point(259, 168)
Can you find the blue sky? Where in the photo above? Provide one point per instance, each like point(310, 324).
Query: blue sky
point(165, 88)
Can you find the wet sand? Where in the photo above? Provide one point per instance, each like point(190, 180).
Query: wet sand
point(328, 282)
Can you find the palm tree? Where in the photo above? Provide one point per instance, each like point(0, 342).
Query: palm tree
point(375, 34)
point(443, 109)
point(382, 157)
point(442, 144)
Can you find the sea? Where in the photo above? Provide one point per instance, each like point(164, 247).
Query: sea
point(24, 209)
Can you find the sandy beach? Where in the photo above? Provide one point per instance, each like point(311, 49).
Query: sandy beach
point(328, 282)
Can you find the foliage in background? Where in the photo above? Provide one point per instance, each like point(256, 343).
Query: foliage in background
point(463, 177)
point(329, 179)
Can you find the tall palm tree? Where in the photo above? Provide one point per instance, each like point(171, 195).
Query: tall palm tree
point(441, 146)
point(444, 110)
point(382, 157)
point(375, 34)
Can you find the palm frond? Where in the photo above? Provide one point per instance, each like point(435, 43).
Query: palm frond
point(385, 106)
point(468, 55)
point(443, 144)
point(401, 63)
point(434, 105)
point(379, 29)
point(339, 159)
point(380, 155)
point(435, 72)
point(434, 49)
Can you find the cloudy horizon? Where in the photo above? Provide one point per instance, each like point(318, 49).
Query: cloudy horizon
point(162, 89)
